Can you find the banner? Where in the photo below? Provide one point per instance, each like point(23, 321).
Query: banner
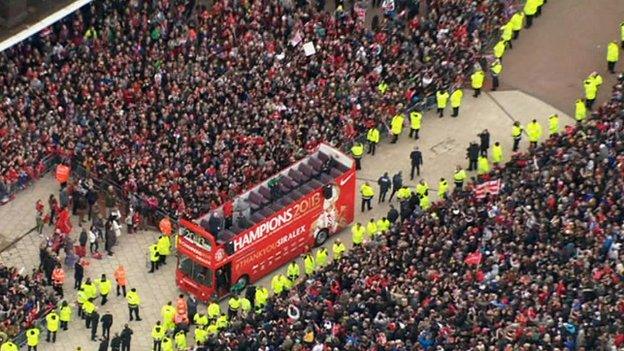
point(490, 187)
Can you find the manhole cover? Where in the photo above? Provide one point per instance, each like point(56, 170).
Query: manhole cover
point(446, 145)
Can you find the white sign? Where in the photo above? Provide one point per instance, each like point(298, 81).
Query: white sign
point(309, 49)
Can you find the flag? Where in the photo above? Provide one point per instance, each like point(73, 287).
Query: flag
point(474, 258)
point(490, 187)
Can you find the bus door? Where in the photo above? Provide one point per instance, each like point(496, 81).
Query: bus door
point(224, 279)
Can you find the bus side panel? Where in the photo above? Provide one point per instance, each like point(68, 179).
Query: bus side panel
point(284, 244)
point(345, 205)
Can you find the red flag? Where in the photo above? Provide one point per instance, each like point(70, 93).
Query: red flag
point(490, 187)
point(474, 258)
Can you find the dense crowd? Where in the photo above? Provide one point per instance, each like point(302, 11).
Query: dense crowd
point(24, 298)
point(538, 267)
point(186, 107)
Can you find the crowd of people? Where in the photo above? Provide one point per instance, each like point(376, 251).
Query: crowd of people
point(537, 267)
point(24, 298)
point(187, 106)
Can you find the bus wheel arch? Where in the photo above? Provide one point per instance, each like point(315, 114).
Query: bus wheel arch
point(242, 281)
point(321, 237)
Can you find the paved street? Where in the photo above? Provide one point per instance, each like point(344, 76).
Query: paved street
point(443, 142)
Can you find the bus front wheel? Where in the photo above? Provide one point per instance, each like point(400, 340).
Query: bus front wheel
point(242, 283)
point(321, 237)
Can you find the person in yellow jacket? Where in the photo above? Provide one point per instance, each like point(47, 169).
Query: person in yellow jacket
point(367, 193)
point(371, 228)
point(11, 346)
point(154, 257)
point(516, 134)
point(260, 298)
point(180, 340)
point(476, 80)
point(222, 322)
point(234, 305)
point(167, 344)
point(87, 310)
point(530, 8)
point(442, 188)
point(553, 124)
point(404, 193)
point(32, 338)
point(212, 329)
point(622, 35)
point(517, 22)
point(245, 305)
point(134, 301)
point(613, 55)
point(321, 257)
point(459, 177)
point(357, 151)
point(396, 127)
point(81, 297)
point(372, 136)
point(293, 271)
point(507, 33)
point(104, 286)
point(456, 99)
point(483, 165)
point(442, 97)
point(497, 154)
point(580, 111)
point(90, 289)
point(286, 283)
point(415, 122)
point(52, 325)
point(382, 87)
point(499, 49)
point(596, 79)
point(534, 130)
point(309, 265)
point(422, 188)
point(591, 90)
point(167, 312)
point(276, 285)
point(200, 319)
point(357, 233)
point(495, 69)
point(338, 249)
point(424, 202)
point(383, 225)
point(158, 333)
point(65, 314)
point(164, 249)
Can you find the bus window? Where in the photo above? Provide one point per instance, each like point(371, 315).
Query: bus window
point(195, 238)
point(195, 271)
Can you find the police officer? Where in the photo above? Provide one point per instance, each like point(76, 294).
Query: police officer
point(158, 333)
point(371, 228)
point(456, 99)
point(260, 298)
point(357, 150)
point(397, 183)
point(367, 193)
point(517, 21)
point(104, 286)
point(200, 320)
point(442, 97)
point(613, 55)
point(338, 248)
point(516, 134)
point(459, 177)
point(530, 8)
point(65, 315)
point(553, 124)
point(416, 161)
point(180, 340)
point(357, 234)
point(372, 136)
point(32, 338)
point(164, 249)
point(309, 265)
point(234, 305)
point(497, 153)
point(442, 188)
point(52, 325)
point(167, 313)
point(134, 300)
point(383, 225)
point(415, 122)
point(396, 127)
point(293, 271)
point(87, 309)
point(277, 285)
point(321, 257)
point(9, 346)
point(384, 183)
point(507, 33)
point(476, 80)
point(534, 130)
point(495, 69)
point(580, 111)
point(483, 166)
point(214, 310)
point(154, 257)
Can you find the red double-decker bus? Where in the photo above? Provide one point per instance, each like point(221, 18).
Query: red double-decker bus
point(270, 225)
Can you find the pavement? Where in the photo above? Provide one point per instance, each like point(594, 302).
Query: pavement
point(542, 75)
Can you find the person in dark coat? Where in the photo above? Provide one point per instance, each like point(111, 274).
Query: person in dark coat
point(95, 320)
point(103, 344)
point(110, 239)
point(126, 338)
point(397, 183)
point(484, 136)
point(115, 343)
point(472, 154)
point(191, 303)
point(78, 274)
point(393, 214)
point(82, 240)
point(384, 183)
point(107, 323)
point(417, 161)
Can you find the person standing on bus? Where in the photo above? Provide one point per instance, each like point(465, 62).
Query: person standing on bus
point(154, 258)
point(293, 271)
point(338, 249)
point(134, 300)
point(309, 265)
point(214, 310)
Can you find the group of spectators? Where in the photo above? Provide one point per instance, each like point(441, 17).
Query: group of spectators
point(186, 106)
point(538, 267)
point(24, 298)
